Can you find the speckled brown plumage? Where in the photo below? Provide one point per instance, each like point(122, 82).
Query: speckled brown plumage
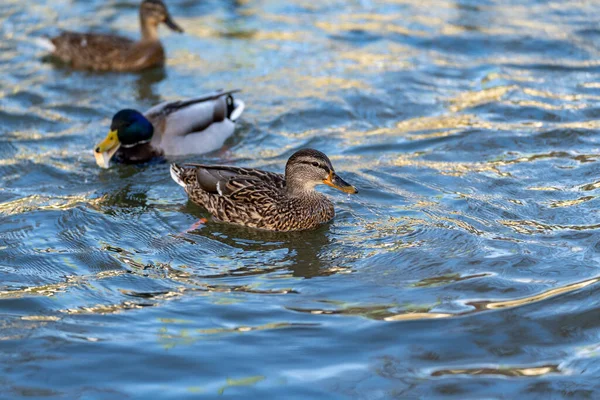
point(100, 52)
point(262, 199)
point(107, 52)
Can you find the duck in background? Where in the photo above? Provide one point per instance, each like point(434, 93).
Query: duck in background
point(101, 52)
point(265, 200)
point(172, 128)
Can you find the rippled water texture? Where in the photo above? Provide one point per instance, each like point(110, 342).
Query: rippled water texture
point(467, 266)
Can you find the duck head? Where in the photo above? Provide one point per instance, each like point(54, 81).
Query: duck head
point(308, 168)
point(129, 128)
point(153, 13)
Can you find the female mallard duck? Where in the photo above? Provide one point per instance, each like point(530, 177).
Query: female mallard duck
point(115, 53)
point(265, 200)
point(172, 128)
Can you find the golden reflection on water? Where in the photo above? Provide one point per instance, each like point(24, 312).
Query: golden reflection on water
point(503, 371)
point(39, 202)
point(493, 166)
point(53, 289)
point(438, 122)
point(570, 203)
point(423, 312)
point(190, 283)
point(230, 382)
point(169, 337)
point(459, 223)
point(21, 328)
point(105, 308)
point(495, 305)
point(546, 106)
point(416, 316)
point(559, 96)
point(530, 227)
point(396, 58)
point(477, 98)
point(40, 318)
point(591, 85)
point(249, 381)
point(451, 168)
point(446, 279)
point(333, 82)
point(591, 186)
point(245, 328)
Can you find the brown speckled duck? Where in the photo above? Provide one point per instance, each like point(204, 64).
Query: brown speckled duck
point(262, 199)
point(101, 52)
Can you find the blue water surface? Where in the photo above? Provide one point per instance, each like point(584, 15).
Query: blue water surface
point(467, 267)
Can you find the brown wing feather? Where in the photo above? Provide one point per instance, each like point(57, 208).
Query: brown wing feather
point(213, 180)
point(248, 188)
point(223, 173)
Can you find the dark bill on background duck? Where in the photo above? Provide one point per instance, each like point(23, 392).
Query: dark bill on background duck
point(172, 24)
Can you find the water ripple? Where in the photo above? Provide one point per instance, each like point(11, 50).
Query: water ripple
point(470, 129)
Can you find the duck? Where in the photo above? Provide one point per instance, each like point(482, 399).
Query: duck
point(172, 128)
point(262, 199)
point(101, 52)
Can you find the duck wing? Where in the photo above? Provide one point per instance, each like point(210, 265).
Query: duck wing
point(184, 117)
point(195, 126)
point(239, 184)
point(89, 48)
point(174, 106)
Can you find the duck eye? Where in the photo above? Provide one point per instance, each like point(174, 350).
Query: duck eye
point(315, 164)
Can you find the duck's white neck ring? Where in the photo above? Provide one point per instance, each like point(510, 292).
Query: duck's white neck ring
point(127, 146)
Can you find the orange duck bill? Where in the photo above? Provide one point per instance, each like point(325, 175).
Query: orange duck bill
point(335, 181)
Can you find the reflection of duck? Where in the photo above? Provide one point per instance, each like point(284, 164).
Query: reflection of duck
point(262, 199)
point(101, 52)
point(303, 253)
point(125, 200)
point(173, 128)
point(145, 85)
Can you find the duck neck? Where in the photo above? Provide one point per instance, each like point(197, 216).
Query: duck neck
point(301, 189)
point(149, 30)
point(139, 153)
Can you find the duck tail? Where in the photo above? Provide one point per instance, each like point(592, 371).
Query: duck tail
point(181, 175)
point(235, 108)
point(184, 176)
point(45, 43)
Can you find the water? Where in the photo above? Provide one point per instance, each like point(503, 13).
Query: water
point(467, 266)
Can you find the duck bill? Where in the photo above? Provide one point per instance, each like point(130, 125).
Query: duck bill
point(107, 149)
point(335, 181)
point(172, 25)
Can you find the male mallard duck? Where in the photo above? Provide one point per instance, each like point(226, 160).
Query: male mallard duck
point(261, 199)
point(116, 53)
point(172, 128)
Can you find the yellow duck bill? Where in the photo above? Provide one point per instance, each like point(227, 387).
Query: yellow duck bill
point(107, 149)
point(335, 181)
